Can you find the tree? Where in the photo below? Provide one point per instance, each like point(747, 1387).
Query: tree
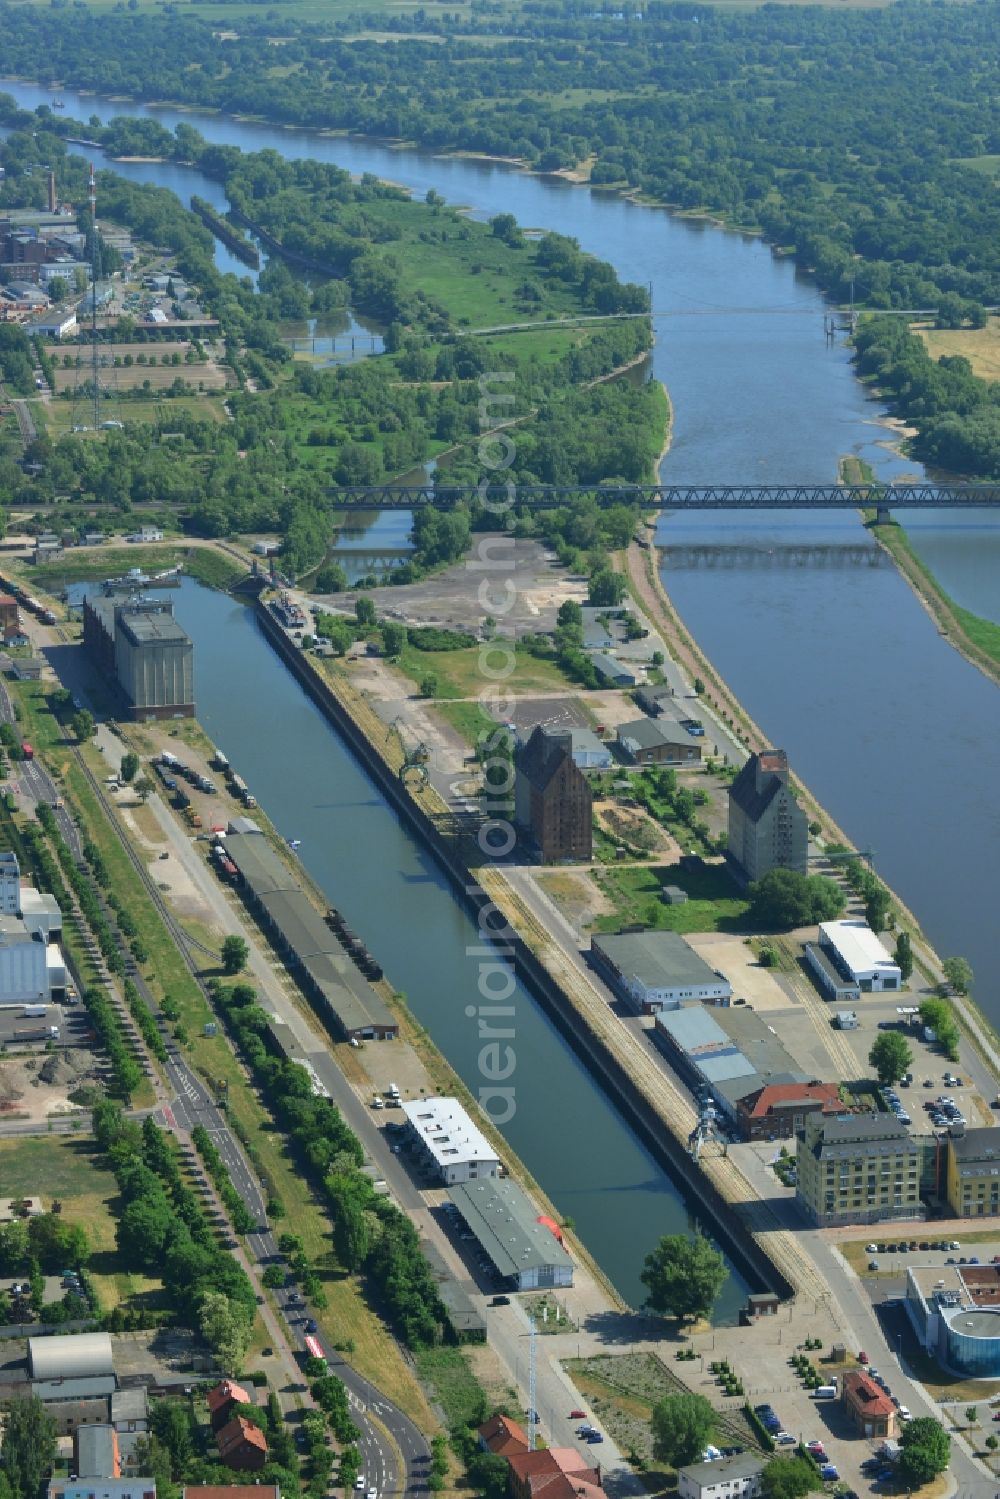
point(570, 613)
point(959, 974)
point(84, 724)
point(331, 578)
point(235, 953)
point(971, 1415)
point(143, 787)
point(364, 610)
point(904, 955)
point(890, 1056)
point(784, 899)
point(393, 638)
point(143, 1229)
point(505, 227)
point(428, 685)
point(129, 768)
point(274, 1277)
point(683, 1276)
point(607, 588)
point(682, 1424)
point(58, 288)
point(788, 1478)
point(223, 1329)
point(926, 1451)
point(29, 1446)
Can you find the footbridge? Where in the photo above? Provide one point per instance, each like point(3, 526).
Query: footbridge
point(501, 496)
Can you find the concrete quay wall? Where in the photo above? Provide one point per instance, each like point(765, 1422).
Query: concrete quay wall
point(665, 1137)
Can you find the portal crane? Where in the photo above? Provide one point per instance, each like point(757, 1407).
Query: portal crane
point(415, 760)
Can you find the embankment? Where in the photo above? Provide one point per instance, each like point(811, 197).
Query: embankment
point(227, 233)
point(656, 1111)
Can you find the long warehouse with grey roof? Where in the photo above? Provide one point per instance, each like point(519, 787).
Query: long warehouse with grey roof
point(525, 1246)
point(325, 970)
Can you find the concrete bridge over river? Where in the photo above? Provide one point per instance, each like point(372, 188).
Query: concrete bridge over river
point(883, 498)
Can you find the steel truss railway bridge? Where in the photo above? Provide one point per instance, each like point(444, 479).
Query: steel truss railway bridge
point(882, 498)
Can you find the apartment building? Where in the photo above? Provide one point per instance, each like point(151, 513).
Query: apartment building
point(858, 1168)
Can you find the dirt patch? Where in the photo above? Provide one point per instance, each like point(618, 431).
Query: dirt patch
point(450, 598)
point(636, 830)
point(38, 1088)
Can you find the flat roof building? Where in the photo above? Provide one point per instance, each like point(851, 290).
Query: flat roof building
point(448, 1141)
point(524, 1246)
point(955, 1312)
point(136, 640)
point(656, 970)
point(736, 1477)
point(858, 1168)
point(858, 955)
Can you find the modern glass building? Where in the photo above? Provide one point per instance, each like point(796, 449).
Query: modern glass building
point(955, 1311)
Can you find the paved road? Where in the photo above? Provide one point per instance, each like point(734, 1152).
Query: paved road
point(193, 1104)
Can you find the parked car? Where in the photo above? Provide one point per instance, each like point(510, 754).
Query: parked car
point(862, 1357)
point(829, 1474)
point(785, 1438)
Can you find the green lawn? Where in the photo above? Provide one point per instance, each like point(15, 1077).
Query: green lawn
point(460, 673)
point(982, 632)
point(69, 1170)
point(713, 904)
point(469, 719)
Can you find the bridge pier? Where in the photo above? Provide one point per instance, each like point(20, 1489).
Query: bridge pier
point(883, 515)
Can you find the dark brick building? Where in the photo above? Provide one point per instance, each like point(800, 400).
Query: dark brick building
point(552, 799)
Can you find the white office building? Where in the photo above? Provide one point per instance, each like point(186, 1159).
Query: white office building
point(726, 1478)
point(448, 1142)
point(858, 955)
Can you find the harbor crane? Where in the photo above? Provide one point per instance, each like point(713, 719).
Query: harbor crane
point(414, 760)
point(706, 1132)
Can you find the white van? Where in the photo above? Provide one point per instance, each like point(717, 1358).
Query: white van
point(392, 1091)
point(825, 1392)
point(378, 1102)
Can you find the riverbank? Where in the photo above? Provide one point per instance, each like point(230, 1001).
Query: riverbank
point(975, 638)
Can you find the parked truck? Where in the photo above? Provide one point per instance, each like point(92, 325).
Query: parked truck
point(34, 1012)
point(37, 1033)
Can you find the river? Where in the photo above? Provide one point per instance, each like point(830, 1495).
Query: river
point(836, 659)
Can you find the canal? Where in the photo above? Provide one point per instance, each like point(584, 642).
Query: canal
point(836, 660)
point(393, 893)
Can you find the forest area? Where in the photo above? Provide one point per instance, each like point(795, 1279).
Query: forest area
point(293, 430)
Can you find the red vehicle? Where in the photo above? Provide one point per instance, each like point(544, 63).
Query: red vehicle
point(26, 750)
point(862, 1357)
point(578, 1415)
point(313, 1348)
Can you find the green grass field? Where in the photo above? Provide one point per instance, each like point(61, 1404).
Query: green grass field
point(712, 905)
point(469, 719)
point(459, 673)
point(68, 1170)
